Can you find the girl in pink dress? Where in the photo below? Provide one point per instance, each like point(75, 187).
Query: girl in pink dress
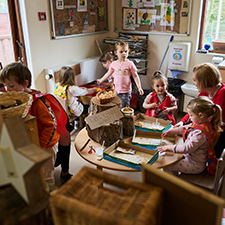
point(123, 68)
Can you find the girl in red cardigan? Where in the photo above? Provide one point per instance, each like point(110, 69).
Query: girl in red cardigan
point(160, 103)
point(207, 78)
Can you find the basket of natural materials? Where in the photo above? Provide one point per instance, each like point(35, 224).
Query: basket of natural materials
point(127, 111)
point(95, 197)
point(15, 103)
point(106, 95)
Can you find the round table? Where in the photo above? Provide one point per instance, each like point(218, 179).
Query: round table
point(82, 137)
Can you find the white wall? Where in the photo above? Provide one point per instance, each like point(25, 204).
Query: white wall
point(47, 52)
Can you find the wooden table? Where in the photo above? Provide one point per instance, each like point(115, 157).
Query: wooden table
point(81, 138)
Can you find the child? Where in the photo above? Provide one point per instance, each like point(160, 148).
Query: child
point(106, 59)
point(17, 77)
point(67, 89)
point(160, 103)
point(200, 138)
point(207, 78)
point(123, 68)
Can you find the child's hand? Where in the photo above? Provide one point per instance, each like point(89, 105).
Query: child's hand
point(94, 89)
point(166, 110)
point(165, 148)
point(99, 81)
point(180, 124)
point(141, 92)
point(165, 134)
point(154, 105)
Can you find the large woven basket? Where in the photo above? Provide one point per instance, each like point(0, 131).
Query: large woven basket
point(95, 197)
point(8, 99)
point(106, 92)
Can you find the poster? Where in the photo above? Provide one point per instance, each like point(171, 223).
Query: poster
point(59, 4)
point(177, 56)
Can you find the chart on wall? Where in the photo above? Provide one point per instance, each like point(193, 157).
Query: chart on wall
point(78, 17)
point(156, 16)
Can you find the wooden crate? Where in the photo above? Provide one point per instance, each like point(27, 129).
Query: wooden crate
point(141, 118)
point(143, 139)
point(153, 155)
point(94, 197)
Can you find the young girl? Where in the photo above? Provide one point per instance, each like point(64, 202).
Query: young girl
point(106, 59)
point(123, 68)
point(207, 78)
point(160, 103)
point(67, 89)
point(200, 138)
point(17, 77)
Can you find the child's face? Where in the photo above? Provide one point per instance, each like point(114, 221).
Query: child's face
point(107, 64)
point(194, 117)
point(122, 52)
point(159, 86)
point(12, 85)
point(196, 83)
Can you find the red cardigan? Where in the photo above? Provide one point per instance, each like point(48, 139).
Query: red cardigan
point(218, 99)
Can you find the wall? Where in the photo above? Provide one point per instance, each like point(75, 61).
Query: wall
point(46, 52)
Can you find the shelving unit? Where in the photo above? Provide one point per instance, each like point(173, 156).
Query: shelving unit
point(138, 44)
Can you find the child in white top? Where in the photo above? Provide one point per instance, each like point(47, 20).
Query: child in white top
point(67, 89)
point(106, 59)
point(200, 138)
point(123, 68)
point(160, 103)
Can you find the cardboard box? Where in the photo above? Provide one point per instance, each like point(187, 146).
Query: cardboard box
point(144, 139)
point(142, 152)
point(141, 118)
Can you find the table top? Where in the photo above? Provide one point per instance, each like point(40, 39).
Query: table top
point(82, 137)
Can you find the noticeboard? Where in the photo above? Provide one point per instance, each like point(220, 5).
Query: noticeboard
point(78, 17)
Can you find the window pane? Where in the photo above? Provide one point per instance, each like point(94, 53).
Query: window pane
point(6, 49)
point(215, 22)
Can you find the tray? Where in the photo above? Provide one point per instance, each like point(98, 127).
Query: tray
point(144, 139)
point(107, 154)
point(140, 119)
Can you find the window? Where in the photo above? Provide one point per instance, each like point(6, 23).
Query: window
point(11, 37)
point(212, 30)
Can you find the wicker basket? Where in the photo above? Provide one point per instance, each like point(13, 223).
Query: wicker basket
point(95, 197)
point(106, 100)
point(9, 98)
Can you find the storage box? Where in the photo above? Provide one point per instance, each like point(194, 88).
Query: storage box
point(141, 152)
point(151, 140)
point(140, 120)
point(100, 198)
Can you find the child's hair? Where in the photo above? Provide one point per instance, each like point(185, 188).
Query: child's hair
point(207, 75)
point(18, 71)
point(122, 44)
point(204, 105)
point(158, 75)
point(67, 76)
point(106, 56)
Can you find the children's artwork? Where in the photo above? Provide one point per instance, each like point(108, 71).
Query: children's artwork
point(129, 19)
point(158, 2)
point(71, 14)
point(59, 4)
point(92, 7)
point(167, 15)
point(130, 3)
point(61, 28)
point(101, 13)
point(82, 6)
point(149, 3)
point(146, 16)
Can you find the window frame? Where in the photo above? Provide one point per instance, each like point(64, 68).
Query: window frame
point(202, 28)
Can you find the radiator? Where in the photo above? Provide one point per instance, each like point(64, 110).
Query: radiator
point(87, 70)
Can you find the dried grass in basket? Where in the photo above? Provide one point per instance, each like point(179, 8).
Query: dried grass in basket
point(98, 198)
point(106, 91)
point(9, 98)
